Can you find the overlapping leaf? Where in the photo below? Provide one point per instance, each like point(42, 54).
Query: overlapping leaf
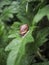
point(40, 14)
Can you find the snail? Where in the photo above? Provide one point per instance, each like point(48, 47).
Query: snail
point(23, 29)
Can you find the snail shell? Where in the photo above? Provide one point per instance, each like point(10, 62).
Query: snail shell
point(23, 29)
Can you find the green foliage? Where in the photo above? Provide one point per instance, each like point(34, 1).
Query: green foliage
point(41, 13)
point(44, 63)
point(3, 43)
point(9, 11)
point(22, 49)
point(40, 38)
point(19, 46)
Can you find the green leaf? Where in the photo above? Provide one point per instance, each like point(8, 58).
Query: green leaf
point(23, 18)
point(1, 27)
point(40, 14)
point(41, 38)
point(14, 30)
point(13, 44)
point(17, 47)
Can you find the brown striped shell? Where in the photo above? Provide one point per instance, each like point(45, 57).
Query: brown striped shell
point(23, 29)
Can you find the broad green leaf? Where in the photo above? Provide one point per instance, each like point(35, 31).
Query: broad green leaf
point(13, 44)
point(17, 47)
point(40, 14)
point(14, 35)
